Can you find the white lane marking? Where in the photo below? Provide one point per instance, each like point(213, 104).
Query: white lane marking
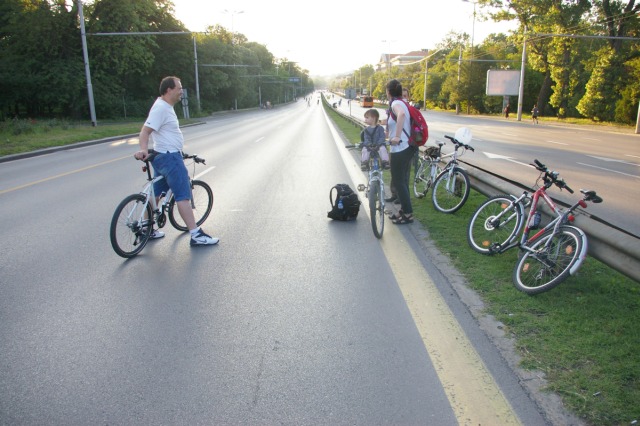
point(609, 170)
point(504, 157)
point(614, 160)
point(204, 172)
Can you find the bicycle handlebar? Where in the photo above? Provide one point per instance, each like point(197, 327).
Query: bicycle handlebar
point(459, 144)
point(552, 178)
point(195, 158)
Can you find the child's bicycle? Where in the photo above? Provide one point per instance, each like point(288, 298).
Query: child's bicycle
point(135, 217)
point(374, 190)
point(548, 257)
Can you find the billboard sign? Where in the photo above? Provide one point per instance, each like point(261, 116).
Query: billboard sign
point(503, 82)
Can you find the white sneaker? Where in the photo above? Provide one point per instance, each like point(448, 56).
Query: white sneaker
point(202, 239)
point(156, 234)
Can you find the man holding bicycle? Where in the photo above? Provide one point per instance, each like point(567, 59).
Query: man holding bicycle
point(168, 141)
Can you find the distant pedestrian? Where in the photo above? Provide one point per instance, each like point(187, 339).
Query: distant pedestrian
point(534, 114)
point(506, 111)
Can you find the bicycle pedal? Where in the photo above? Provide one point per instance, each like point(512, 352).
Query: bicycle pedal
point(361, 187)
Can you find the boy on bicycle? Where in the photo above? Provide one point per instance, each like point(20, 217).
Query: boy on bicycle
point(373, 135)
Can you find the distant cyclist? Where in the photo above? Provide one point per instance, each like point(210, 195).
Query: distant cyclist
point(168, 141)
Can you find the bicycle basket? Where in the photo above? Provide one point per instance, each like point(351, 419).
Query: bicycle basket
point(432, 151)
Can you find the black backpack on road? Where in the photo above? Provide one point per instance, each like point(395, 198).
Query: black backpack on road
point(345, 204)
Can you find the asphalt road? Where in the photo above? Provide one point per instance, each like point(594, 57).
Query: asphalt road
point(291, 319)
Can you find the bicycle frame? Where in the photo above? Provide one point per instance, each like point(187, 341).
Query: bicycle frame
point(376, 199)
point(157, 208)
point(149, 192)
point(375, 171)
point(434, 170)
point(524, 242)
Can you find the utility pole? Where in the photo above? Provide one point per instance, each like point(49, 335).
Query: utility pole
point(87, 71)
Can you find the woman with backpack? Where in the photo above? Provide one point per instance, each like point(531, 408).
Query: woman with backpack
point(398, 126)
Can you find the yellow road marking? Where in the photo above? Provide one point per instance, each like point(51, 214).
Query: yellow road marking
point(473, 394)
point(472, 391)
point(26, 185)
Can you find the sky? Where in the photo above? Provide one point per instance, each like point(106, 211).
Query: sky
point(339, 36)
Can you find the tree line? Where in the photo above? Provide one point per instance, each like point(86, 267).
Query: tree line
point(42, 70)
point(583, 60)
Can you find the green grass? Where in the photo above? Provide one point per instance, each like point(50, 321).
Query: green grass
point(17, 136)
point(583, 334)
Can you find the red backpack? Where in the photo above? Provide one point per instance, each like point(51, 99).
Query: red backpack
point(419, 129)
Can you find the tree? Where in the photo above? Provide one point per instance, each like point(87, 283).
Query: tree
point(614, 65)
point(41, 66)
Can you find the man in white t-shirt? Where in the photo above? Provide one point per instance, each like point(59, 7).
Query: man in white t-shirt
point(168, 141)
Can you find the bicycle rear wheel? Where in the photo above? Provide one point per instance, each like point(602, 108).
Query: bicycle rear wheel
point(201, 203)
point(130, 226)
point(450, 190)
point(422, 181)
point(376, 208)
point(494, 224)
point(554, 259)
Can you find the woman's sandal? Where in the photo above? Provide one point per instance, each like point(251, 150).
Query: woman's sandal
point(396, 216)
point(403, 219)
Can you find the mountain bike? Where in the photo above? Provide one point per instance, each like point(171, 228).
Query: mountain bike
point(451, 187)
point(374, 190)
point(135, 217)
point(546, 258)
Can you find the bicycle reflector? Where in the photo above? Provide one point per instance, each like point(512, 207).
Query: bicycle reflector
point(583, 204)
point(144, 168)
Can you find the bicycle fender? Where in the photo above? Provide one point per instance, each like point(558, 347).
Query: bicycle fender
point(583, 251)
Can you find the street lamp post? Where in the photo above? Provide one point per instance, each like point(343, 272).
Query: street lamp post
point(92, 108)
point(458, 84)
point(232, 13)
point(473, 25)
point(473, 31)
point(388, 54)
point(426, 68)
point(522, 67)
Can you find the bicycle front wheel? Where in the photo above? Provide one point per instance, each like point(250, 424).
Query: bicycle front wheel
point(130, 226)
point(376, 208)
point(495, 223)
point(201, 204)
point(422, 181)
point(450, 190)
point(552, 260)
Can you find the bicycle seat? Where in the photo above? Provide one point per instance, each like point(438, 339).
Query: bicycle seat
point(152, 154)
point(591, 195)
